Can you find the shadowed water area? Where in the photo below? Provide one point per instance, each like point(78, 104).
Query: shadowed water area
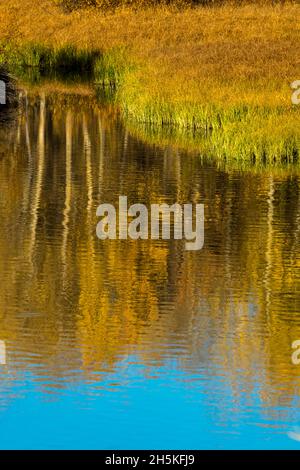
point(141, 344)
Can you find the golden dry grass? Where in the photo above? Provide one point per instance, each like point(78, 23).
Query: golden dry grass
point(190, 63)
point(229, 42)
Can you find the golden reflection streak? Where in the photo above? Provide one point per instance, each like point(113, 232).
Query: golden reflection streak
point(268, 270)
point(26, 199)
point(101, 154)
point(87, 152)
point(39, 175)
point(68, 190)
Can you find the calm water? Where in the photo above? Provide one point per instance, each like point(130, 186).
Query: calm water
point(141, 344)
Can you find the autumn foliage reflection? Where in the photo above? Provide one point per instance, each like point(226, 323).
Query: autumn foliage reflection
point(72, 304)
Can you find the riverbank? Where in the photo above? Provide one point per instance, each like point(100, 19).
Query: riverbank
point(223, 72)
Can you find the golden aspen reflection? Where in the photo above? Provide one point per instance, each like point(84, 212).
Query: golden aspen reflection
point(233, 306)
point(68, 189)
point(39, 176)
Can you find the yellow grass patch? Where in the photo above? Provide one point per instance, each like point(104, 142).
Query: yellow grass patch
point(227, 66)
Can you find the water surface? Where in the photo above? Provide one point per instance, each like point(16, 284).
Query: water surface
point(141, 344)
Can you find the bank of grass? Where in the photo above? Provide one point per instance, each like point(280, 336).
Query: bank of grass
point(34, 61)
point(223, 72)
point(210, 147)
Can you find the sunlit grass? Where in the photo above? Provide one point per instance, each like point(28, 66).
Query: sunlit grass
point(223, 73)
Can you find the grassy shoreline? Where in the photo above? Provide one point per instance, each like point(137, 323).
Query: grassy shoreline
point(224, 72)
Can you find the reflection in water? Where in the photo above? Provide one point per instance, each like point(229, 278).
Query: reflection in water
point(2, 353)
point(141, 343)
point(294, 434)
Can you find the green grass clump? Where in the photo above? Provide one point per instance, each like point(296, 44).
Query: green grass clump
point(111, 67)
point(257, 140)
point(255, 130)
point(65, 59)
point(237, 131)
